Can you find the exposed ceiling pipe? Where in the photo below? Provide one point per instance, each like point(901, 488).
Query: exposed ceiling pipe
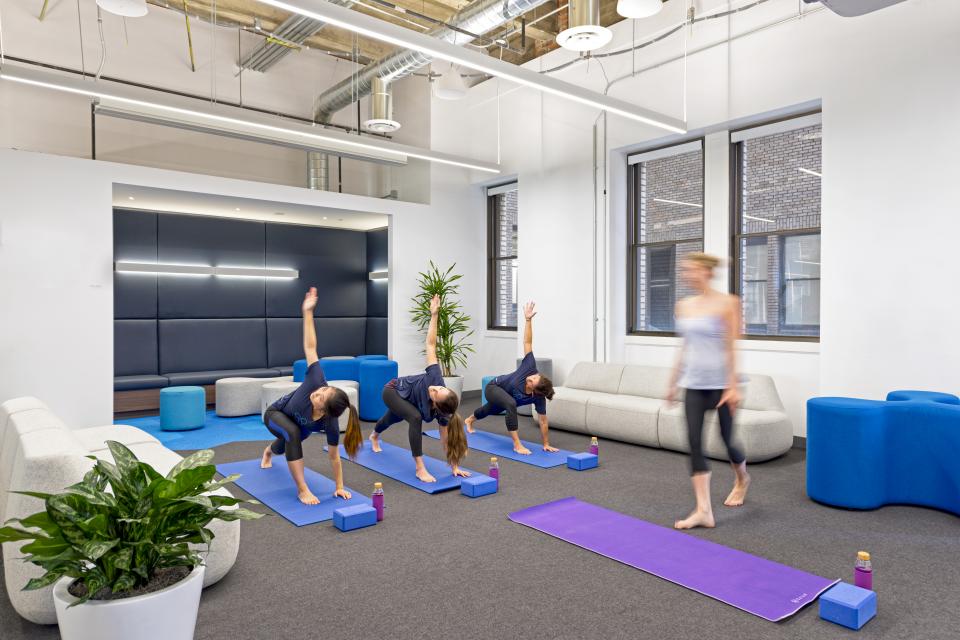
point(296, 30)
point(381, 108)
point(479, 17)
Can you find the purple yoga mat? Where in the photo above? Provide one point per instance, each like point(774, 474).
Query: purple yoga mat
point(762, 587)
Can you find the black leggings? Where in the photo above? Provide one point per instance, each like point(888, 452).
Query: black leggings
point(498, 400)
point(399, 409)
point(697, 402)
point(289, 439)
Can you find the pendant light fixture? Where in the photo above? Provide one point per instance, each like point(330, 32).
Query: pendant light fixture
point(125, 8)
point(450, 85)
point(637, 9)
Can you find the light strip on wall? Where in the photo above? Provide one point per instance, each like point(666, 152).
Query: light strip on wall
point(382, 274)
point(809, 172)
point(686, 204)
point(203, 270)
point(757, 219)
point(134, 98)
point(371, 27)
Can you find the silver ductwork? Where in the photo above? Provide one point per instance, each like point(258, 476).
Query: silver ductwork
point(584, 32)
point(381, 108)
point(479, 17)
point(294, 30)
point(318, 171)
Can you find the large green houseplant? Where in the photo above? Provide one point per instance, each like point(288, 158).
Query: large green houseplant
point(125, 530)
point(453, 325)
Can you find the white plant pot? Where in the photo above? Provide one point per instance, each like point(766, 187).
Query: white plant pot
point(454, 383)
point(169, 614)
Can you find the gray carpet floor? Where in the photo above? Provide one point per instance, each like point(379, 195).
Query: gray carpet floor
point(446, 566)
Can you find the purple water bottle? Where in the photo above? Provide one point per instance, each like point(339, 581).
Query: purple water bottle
point(594, 446)
point(495, 471)
point(378, 499)
point(863, 572)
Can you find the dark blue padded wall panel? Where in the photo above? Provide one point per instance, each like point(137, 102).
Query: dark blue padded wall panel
point(212, 344)
point(335, 337)
point(377, 260)
point(332, 260)
point(207, 240)
point(134, 240)
point(134, 347)
point(376, 338)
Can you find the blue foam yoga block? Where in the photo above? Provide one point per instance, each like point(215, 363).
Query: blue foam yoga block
point(355, 517)
point(848, 606)
point(582, 461)
point(478, 485)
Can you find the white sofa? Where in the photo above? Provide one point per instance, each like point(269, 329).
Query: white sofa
point(38, 452)
point(626, 402)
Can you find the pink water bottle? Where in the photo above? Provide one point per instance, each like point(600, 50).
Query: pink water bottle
point(495, 471)
point(863, 572)
point(594, 446)
point(378, 499)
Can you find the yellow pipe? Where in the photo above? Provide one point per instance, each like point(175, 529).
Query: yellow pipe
point(43, 11)
point(283, 43)
point(186, 16)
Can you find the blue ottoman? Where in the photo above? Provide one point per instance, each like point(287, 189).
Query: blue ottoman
point(373, 375)
point(483, 391)
point(863, 454)
point(338, 368)
point(299, 370)
point(182, 408)
point(372, 357)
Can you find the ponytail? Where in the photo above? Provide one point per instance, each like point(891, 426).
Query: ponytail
point(456, 440)
point(354, 437)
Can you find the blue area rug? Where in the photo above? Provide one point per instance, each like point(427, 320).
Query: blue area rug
point(216, 431)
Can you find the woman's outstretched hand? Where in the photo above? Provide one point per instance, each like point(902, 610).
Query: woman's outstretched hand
point(310, 300)
point(435, 305)
point(528, 310)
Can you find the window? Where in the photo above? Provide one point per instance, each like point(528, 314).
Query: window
point(502, 257)
point(776, 239)
point(665, 224)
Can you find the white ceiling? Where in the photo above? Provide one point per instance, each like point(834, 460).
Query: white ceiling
point(152, 199)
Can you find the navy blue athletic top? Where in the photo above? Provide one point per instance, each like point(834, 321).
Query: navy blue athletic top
point(515, 383)
point(416, 390)
point(296, 405)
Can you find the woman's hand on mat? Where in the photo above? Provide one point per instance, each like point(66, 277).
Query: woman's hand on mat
point(731, 398)
point(547, 447)
point(310, 300)
point(528, 310)
point(434, 305)
point(457, 471)
point(342, 493)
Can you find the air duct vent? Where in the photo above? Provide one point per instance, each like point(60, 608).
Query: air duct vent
point(585, 32)
point(381, 108)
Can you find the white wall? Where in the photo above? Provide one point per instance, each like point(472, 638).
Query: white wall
point(56, 261)
point(890, 129)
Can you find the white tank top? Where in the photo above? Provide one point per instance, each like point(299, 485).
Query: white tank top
point(705, 357)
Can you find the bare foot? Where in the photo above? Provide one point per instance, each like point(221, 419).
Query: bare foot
point(522, 450)
point(267, 460)
point(424, 476)
point(469, 423)
point(306, 497)
point(375, 442)
point(696, 519)
point(739, 492)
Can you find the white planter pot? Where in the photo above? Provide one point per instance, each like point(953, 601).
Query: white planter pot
point(455, 383)
point(169, 614)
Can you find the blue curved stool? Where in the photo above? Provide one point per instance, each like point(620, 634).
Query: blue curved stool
point(483, 391)
point(863, 454)
point(299, 370)
point(182, 408)
point(341, 368)
point(374, 356)
point(373, 375)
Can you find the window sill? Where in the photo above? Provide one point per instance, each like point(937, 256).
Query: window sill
point(500, 334)
point(776, 346)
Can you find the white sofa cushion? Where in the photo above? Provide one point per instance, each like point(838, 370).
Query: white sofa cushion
point(760, 394)
point(568, 409)
point(19, 424)
point(761, 435)
point(94, 438)
point(625, 418)
point(15, 405)
point(643, 381)
point(595, 376)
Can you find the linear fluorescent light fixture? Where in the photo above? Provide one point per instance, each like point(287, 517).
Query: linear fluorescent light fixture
point(132, 102)
point(757, 219)
point(810, 172)
point(203, 270)
point(371, 27)
point(381, 274)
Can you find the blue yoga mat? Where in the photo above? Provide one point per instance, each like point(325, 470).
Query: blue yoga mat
point(216, 431)
point(396, 462)
point(502, 446)
point(274, 487)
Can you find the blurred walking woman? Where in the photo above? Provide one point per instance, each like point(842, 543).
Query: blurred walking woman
point(709, 323)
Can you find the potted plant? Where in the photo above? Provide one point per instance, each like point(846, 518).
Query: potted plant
point(453, 325)
point(116, 546)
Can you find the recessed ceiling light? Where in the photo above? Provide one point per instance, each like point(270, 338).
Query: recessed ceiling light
point(324, 217)
point(130, 198)
point(236, 208)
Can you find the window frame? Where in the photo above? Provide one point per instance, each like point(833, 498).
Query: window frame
point(493, 258)
point(736, 235)
point(633, 190)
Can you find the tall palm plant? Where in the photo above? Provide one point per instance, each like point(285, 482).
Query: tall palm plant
point(453, 325)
